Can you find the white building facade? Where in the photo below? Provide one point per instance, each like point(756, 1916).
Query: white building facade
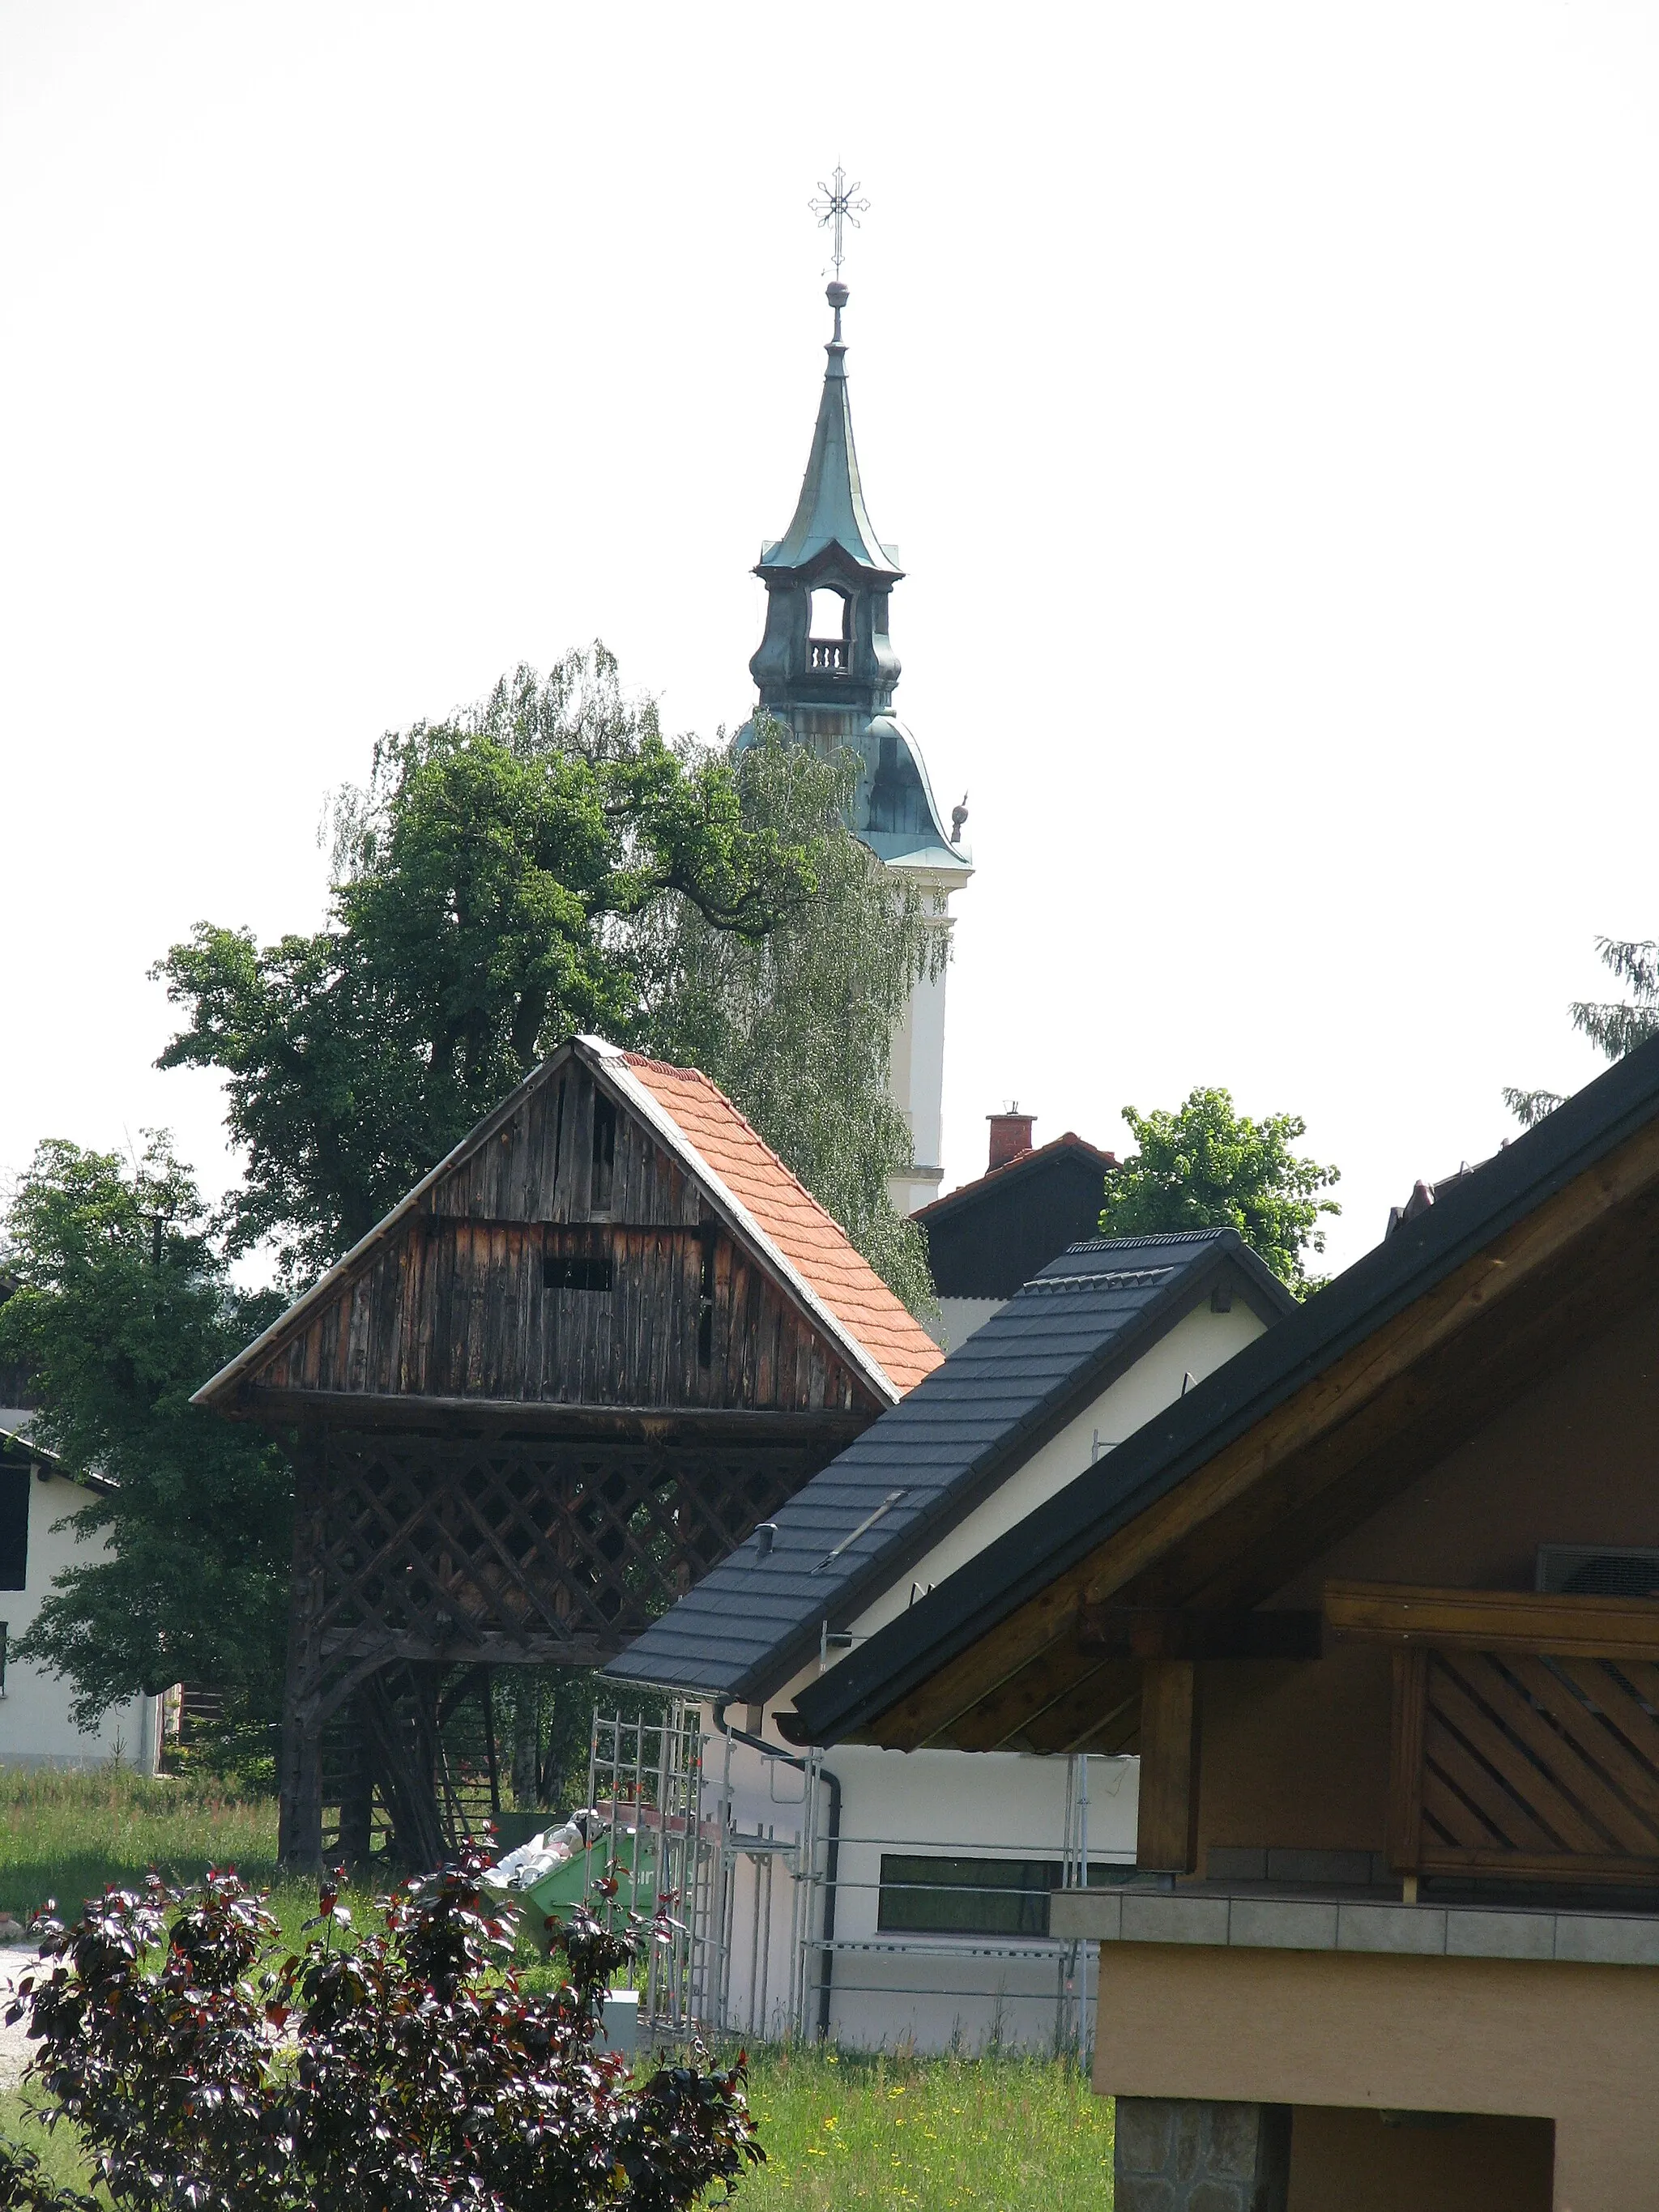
point(39, 1507)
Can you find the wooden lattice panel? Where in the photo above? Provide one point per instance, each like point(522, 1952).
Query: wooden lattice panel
point(522, 1548)
point(1526, 1763)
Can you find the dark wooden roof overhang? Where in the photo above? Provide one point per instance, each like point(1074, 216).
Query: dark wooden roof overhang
point(1214, 1506)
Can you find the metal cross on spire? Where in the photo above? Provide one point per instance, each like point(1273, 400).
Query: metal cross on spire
point(837, 207)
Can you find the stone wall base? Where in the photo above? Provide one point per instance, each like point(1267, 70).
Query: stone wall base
point(1179, 2154)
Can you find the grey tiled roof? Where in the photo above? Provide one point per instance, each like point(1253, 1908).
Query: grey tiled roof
point(854, 1528)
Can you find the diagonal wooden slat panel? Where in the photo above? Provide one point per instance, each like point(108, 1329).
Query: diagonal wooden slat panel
point(1492, 1815)
point(1451, 1698)
point(1449, 1824)
point(1532, 1705)
point(1622, 1795)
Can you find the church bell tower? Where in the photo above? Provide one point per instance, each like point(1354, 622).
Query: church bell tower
point(826, 669)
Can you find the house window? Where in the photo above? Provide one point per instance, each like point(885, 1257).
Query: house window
point(604, 1154)
point(14, 1527)
point(925, 1896)
point(579, 1271)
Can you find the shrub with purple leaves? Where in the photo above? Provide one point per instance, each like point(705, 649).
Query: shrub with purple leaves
point(403, 2070)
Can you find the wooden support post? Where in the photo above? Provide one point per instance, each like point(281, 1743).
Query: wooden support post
point(1167, 1841)
point(1404, 1831)
point(299, 1817)
point(487, 1700)
point(356, 1799)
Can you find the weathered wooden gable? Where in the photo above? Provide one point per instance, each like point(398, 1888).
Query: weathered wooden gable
point(568, 1259)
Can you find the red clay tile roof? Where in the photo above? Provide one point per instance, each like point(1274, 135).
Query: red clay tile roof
point(814, 1244)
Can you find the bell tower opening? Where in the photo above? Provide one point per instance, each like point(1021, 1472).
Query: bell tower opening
point(829, 630)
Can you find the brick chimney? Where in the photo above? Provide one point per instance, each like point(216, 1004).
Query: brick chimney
point(1011, 1135)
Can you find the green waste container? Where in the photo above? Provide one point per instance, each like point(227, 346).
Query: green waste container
point(561, 1886)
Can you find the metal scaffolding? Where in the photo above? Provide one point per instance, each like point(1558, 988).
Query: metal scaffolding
point(671, 1840)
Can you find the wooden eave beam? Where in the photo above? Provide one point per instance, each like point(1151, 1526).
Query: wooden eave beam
point(1330, 1403)
point(358, 1409)
point(1148, 1632)
point(1519, 1621)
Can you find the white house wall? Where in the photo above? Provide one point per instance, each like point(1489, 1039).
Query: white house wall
point(35, 1728)
point(941, 1991)
point(1195, 1346)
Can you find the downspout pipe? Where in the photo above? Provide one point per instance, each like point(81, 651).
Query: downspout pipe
point(831, 1846)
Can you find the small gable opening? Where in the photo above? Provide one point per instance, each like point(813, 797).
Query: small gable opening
point(579, 1271)
point(604, 1154)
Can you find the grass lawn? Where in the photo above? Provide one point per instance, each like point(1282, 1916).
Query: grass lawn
point(984, 2134)
point(67, 1835)
point(839, 2130)
point(931, 2134)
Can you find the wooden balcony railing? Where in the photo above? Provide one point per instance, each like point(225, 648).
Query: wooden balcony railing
point(1526, 1730)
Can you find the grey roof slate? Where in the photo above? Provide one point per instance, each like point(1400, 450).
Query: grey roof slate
point(853, 1530)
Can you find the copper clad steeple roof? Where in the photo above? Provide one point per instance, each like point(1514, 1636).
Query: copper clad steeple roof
point(831, 510)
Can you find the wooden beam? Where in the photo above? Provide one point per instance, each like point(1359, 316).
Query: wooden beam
point(1493, 1620)
point(1167, 1840)
point(1101, 1712)
point(1405, 1814)
point(1328, 1403)
point(361, 1409)
point(1010, 1716)
point(1147, 1632)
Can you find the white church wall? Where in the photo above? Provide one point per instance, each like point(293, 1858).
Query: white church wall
point(955, 1320)
point(916, 1070)
point(35, 1728)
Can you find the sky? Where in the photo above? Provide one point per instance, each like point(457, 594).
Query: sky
point(1261, 399)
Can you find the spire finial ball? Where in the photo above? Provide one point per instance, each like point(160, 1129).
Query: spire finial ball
point(837, 295)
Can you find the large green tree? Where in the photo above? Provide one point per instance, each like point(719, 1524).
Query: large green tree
point(122, 1308)
point(548, 863)
point(796, 1025)
point(1205, 1166)
point(1613, 1027)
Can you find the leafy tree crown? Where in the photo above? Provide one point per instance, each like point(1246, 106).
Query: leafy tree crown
point(1205, 1166)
